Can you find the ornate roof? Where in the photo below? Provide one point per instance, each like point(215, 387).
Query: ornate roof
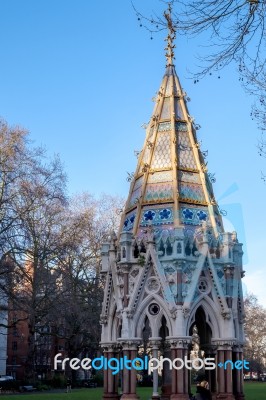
point(171, 187)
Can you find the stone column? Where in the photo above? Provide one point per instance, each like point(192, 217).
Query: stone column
point(180, 383)
point(155, 344)
point(238, 374)
point(225, 380)
point(110, 391)
point(210, 352)
point(125, 288)
point(166, 373)
point(229, 276)
point(130, 350)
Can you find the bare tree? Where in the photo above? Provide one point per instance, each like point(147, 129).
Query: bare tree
point(255, 330)
point(87, 223)
point(50, 250)
point(231, 31)
point(236, 30)
point(236, 34)
point(15, 163)
point(32, 246)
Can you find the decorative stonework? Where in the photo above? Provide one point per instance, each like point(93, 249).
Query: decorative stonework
point(157, 216)
point(194, 215)
point(152, 285)
point(154, 309)
point(203, 286)
point(172, 265)
point(129, 221)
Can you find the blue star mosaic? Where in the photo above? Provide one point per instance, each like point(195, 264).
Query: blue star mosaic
point(129, 222)
point(202, 215)
point(165, 213)
point(188, 214)
point(149, 215)
point(193, 215)
point(158, 216)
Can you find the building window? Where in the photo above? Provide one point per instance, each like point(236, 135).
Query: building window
point(14, 345)
point(14, 360)
point(15, 331)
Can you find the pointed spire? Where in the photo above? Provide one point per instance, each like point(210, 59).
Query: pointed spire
point(170, 56)
point(170, 188)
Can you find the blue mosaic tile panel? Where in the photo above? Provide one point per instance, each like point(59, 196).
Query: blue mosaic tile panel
point(193, 215)
point(162, 152)
point(159, 192)
point(179, 113)
point(134, 197)
point(129, 221)
point(157, 216)
point(166, 109)
point(185, 153)
point(164, 127)
point(191, 191)
point(162, 176)
point(181, 126)
point(192, 177)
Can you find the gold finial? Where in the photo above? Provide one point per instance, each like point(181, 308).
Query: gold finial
point(170, 37)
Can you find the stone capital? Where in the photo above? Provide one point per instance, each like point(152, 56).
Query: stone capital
point(110, 347)
point(155, 342)
point(180, 342)
point(130, 343)
point(229, 271)
point(224, 344)
point(103, 319)
point(227, 314)
point(186, 311)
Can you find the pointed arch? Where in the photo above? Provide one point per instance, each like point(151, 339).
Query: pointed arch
point(211, 312)
point(155, 321)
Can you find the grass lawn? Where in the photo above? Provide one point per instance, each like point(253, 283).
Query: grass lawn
point(253, 391)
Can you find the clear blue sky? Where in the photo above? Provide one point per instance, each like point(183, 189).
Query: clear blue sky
point(80, 75)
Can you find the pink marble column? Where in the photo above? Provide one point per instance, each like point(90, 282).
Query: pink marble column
point(179, 377)
point(110, 380)
point(225, 380)
point(238, 376)
point(129, 375)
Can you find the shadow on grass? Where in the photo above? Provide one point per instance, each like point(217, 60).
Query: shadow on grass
point(253, 391)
